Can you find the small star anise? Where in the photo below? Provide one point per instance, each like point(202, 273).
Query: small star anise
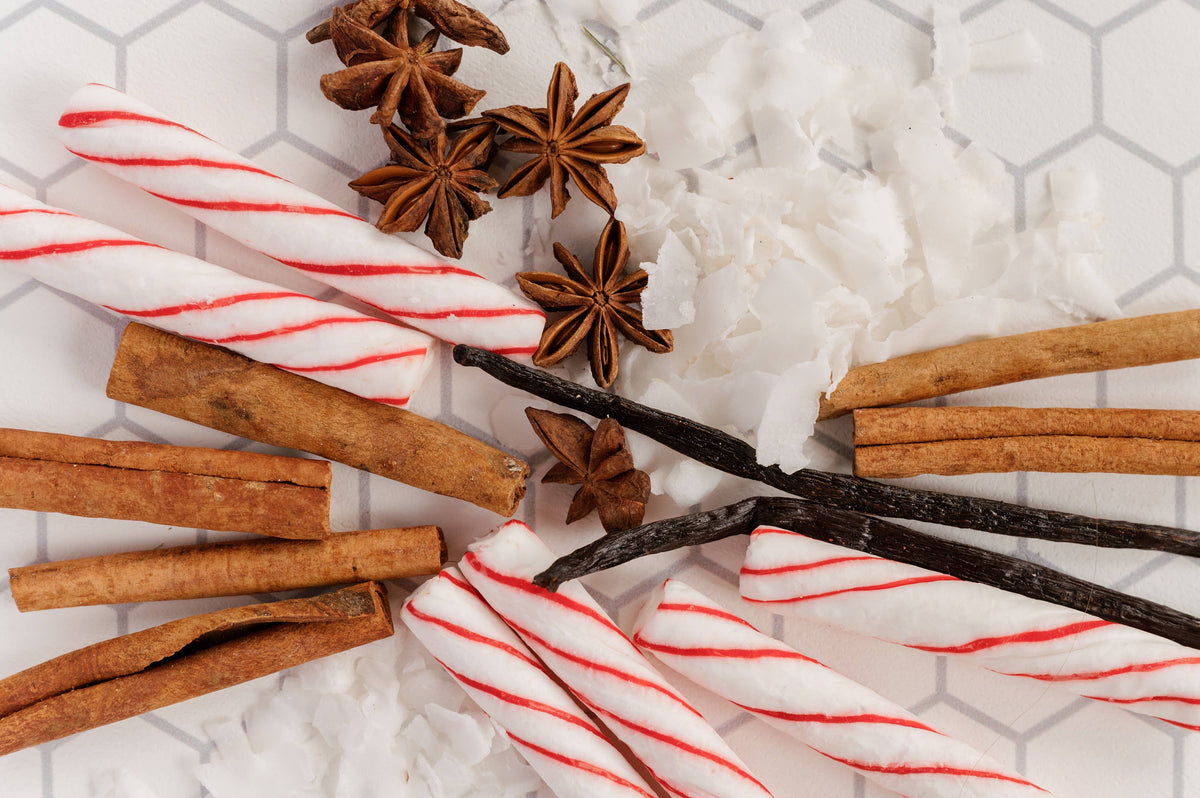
point(568, 144)
point(397, 76)
point(438, 179)
point(452, 19)
point(597, 306)
point(599, 462)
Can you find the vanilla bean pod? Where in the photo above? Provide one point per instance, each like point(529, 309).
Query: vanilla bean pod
point(726, 453)
point(883, 539)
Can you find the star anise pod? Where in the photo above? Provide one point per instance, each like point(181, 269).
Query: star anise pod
point(568, 144)
point(439, 179)
point(413, 80)
point(597, 305)
point(452, 19)
point(599, 462)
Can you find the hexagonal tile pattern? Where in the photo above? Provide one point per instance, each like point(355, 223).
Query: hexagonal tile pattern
point(1145, 50)
point(861, 33)
point(236, 62)
point(996, 106)
point(1111, 97)
point(23, 45)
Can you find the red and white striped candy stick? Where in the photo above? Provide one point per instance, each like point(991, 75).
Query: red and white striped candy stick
point(833, 715)
point(1001, 631)
point(496, 669)
point(326, 342)
point(296, 227)
point(598, 663)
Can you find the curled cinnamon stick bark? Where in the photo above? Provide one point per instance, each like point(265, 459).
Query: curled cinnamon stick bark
point(223, 390)
point(907, 441)
point(1063, 454)
point(182, 486)
point(229, 569)
point(1123, 343)
point(146, 670)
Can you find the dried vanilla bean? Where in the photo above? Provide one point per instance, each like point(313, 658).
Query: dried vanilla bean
point(733, 456)
point(883, 539)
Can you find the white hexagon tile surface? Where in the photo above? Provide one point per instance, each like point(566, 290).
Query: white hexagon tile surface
point(1117, 94)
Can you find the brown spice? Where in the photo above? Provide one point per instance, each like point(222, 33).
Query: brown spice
point(438, 179)
point(157, 667)
point(181, 486)
point(597, 306)
point(223, 390)
point(454, 20)
point(412, 80)
point(599, 462)
point(567, 144)
point(1139, 341)
point(229, 569)
point(904, 442)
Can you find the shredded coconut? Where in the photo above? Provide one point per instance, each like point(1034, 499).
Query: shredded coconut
point(862, 232)
point(379, 720)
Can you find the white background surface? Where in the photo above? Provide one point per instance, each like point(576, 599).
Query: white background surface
point(1116, 94)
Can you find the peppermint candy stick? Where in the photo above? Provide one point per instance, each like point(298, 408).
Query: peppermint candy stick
point(1001, 631)
point(570, 633)
point(329, 343)
point(835, 716)
point(296, 227)
point(496, 669)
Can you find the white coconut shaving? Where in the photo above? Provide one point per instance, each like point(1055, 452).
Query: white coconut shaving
point(862, 232)
point(380, 720)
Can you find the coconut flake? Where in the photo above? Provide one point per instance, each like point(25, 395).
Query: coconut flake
point(667, 298)
point(1017, 50)
point(382, 719)
point(861, 231)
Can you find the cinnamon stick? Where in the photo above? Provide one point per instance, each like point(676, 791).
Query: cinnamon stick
point(1123, 343)
point(907, 441)
point(1064, 454)
point(223, 390)
point(181, 486)
point(229, 569)
point(147, 670)
point(919, 424)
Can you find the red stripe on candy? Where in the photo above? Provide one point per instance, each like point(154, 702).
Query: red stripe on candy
point(740, 653)
point(69, 247)
point(932, 770)
point(624, 676)
point(1034, 636)
point(916, 580)
point(93, 118)
point(578, 764)
point(233, 206)
point(474, 637)
point(223, 302)
point(675, 742)
point(806, 566)
point(377, 269)
point(163, 162)
point(522, 701)
point(1145, 667)
point(310, 325)
point(887, 720)
point(365, 361)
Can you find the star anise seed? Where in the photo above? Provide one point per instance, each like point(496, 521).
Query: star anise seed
point(599, 462)
point(567, 144)
point(452, 19)
point(412, 80)
point(440, 180)
point(597, 306)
